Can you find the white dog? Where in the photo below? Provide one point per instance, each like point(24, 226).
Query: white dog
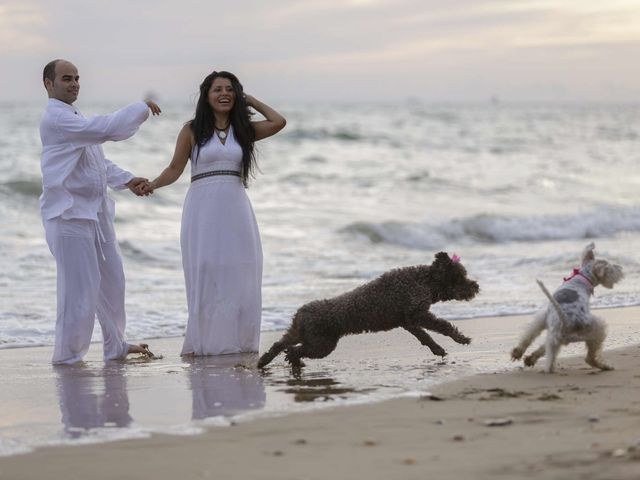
point(567, 316)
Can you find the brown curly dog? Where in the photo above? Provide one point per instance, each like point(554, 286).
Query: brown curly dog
point(398, 298)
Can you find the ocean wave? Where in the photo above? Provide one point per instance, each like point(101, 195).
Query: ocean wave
point(8, 344)
point(322, 134)
point(129, 250)
point(600, 222)
point(29, 188)
point(306, 178)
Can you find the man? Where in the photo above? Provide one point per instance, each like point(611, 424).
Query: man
point(78, 215)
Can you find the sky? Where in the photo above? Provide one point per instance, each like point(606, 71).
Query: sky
point(329, 50)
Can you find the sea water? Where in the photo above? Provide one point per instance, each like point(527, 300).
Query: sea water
point(348, 191)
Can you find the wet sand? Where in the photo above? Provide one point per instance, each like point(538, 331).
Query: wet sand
point(576, 422)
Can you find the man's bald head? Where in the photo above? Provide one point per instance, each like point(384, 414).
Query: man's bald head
point(50, 70)
point(61, 80)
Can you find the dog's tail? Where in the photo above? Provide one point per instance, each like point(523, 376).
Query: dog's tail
point(553, 301)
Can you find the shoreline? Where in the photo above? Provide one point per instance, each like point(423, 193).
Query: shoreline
point(275, 420)
point(575, 424)
point(462, 319)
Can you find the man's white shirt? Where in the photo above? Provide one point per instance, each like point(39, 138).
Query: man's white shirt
point(75, 172)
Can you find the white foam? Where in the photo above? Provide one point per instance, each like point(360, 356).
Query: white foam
point(487, 228)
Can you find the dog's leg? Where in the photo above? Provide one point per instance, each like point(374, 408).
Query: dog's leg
point(551, 351)
point(273, 352)
point(594, 345)
point(425, 339)
point(289, 338)
point(431, 322)
point(318, 347)
point(293, 356)
point(534, 329)
point(530, 360)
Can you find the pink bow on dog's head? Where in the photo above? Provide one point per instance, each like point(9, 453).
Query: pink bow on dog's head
point(455, 258)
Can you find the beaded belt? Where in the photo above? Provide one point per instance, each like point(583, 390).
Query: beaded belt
point(214, 173)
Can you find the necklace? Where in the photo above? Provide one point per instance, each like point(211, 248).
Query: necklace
point(220, 132)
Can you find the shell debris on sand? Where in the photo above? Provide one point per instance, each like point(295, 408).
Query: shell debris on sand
point(498, 422)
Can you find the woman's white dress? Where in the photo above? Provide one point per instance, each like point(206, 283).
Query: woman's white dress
point(221, 256)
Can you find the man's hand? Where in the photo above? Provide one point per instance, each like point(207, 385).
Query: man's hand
point(137, 184)
point(153, 106)
point(148, 188)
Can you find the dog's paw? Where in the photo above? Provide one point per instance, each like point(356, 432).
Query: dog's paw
point(529, 361)
point(439, 351)
point(598, 364)
point(464, 340)
point(297, 365)
point(516, 353)
point(262, 363)
point(294, 360)
point(601, 366)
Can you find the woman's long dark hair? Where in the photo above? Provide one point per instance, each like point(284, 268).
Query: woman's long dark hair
point(203, 122)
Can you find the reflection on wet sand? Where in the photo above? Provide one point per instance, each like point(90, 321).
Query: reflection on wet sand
point(308, 385)
point(224, 385)
point(92, 398)
point(320, 389)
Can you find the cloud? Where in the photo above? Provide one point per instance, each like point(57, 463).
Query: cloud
point(21, 29)
point(468, 48)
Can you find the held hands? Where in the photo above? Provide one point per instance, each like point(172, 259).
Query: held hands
point(140, 186)
point(148, 188)
point(153, 106)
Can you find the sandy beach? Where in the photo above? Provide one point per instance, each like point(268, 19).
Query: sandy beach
point(499, 421)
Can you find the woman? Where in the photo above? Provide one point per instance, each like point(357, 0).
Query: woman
point(221, 249)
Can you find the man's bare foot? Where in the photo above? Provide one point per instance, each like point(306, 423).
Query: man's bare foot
point(142, 348)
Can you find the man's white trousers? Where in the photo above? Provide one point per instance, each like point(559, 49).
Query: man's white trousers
point(90, 282)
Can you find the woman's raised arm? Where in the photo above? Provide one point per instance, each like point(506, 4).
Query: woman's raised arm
point(274, 121)
point(180, 158)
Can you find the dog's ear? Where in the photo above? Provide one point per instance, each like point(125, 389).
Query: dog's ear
point(442, 257)
point(587, 254)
